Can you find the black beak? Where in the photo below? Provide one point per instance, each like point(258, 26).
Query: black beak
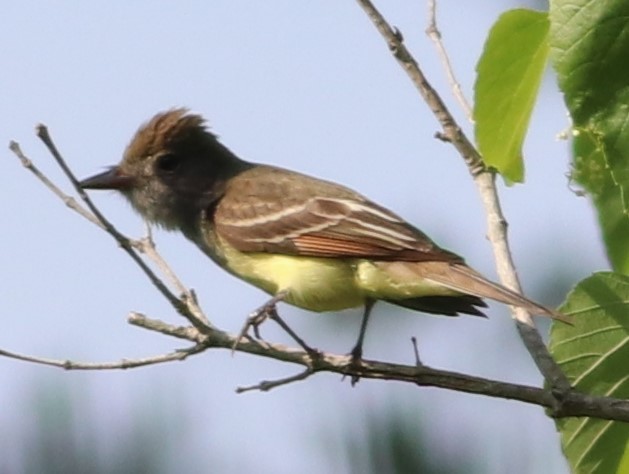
point(110, 179)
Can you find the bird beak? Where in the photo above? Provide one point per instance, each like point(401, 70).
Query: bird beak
point(113, 178)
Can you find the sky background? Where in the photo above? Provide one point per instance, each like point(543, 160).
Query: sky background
point(304, 85)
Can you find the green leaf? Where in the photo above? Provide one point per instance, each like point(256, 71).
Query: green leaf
point(592, 171)
point(593, 354)
point(590, 47)
point(509, 73)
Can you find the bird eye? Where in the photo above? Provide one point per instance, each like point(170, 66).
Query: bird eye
point(168, 162)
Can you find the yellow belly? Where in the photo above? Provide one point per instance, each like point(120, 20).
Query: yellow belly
point(327, 284)
point(316, 284)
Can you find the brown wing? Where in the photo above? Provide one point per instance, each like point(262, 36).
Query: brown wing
point(268, 209)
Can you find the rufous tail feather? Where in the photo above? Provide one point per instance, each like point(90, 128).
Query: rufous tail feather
point(464, 279)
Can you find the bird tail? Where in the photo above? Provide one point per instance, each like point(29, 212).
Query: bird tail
point(461, 278)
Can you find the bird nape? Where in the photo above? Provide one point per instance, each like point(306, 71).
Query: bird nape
point(322, 246)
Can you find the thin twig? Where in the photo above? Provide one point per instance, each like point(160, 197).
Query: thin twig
point(484, 179)
point(67, 200)
point(189, 333)
point(125, 242)
point(147, 246)
point(451, 130)
point(418, 362)
point(267, 385)
point(179, 354)
point(435, 35)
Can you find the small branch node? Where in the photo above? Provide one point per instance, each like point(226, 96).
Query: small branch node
point(267, 385)
point(398, 34)
point(42, 132)
point(443, 137)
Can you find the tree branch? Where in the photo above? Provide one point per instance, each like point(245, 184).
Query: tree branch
point(485, 183)
point(187, 307)
point(179, 354)
point(435, 35)
point(573, 404)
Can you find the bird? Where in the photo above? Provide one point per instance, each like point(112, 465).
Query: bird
point(311, 243)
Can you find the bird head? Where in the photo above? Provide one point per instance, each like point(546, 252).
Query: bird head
point(173, 167)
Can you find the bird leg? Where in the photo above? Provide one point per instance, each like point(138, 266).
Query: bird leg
point(274, 315)
point(269, 311)
point(357, 351)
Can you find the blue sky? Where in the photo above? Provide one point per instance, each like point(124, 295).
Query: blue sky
point(304, 85)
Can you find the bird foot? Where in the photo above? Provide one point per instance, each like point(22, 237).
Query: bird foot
point(269, 311)
point(256, 318)
point(355, 363)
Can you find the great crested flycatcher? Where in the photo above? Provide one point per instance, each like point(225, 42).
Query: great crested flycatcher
point(322, 245)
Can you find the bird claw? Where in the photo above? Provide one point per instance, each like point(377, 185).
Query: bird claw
point(355, 362)
point(254, 321)
point(256, 318)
